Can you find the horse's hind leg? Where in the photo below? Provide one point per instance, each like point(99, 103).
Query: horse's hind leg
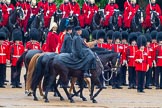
point(57, 91)
point(68, 95)
point(81, 82)
point(34, 94)
point(40, 89)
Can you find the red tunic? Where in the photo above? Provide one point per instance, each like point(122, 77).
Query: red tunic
point(109, 46)
point(3, 53)
point(75, 8)
point(102, 45)
point(16, 51)
point(30, 45)
point(158, 55)
point(149, 51)
point(52, 41)
point(43, 5)
point(141, 66)
point(65, 8)
point(60, 41)
point(44, 47)
point(130, 55)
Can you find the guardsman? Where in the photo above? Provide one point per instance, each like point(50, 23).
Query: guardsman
point(130, 57)
point(3, 58)
point(44, 5)
point(52, 38)
point(65, 8)
point(153, 45)
point(75, 8)
point(150, 52)
point(141, 60)
point(51, 10)
point(33, 43)
point(109, 11)
point(109, 39)
point(92, 9)
point(130, 13)
point(100, 39)
point(158, 59)
point(67, 43)
point(126, 6)
point(34, 8)
point(123, 59)
point(118, 48)
point(153, 6)
point(16, 50)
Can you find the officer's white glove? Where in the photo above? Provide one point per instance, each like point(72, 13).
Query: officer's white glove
point(31, 15)
point(71, 12)
point(48, 12)
point(89, 12)
point(107, 13)
point(140, 60)
point(9, 9)
point(158, 14)
point(95, 11)
point(130, 13)
point(77, 14)
point(64, 12)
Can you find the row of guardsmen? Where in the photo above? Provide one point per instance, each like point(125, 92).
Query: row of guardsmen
point(129, 46)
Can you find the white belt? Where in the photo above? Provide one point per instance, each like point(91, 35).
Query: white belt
point(2, 54)
point(15, 56)
point(149, 56)
point(159, 56)
point(131, 56)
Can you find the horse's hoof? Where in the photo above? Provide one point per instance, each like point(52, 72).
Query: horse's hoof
point(35, 99)
point(61, 99)
point(94, 101)
point(72, 101)
point(55, 95)
point(46, 101)
point(84, 99)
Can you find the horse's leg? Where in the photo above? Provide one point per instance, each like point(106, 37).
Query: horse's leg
point(88, 83)
point(51, 80)
point(34, 94)
point(73, 80)
point(81, 81)
point(57, 91)
point(68, 95)
point(95, 95)
point(40, 88)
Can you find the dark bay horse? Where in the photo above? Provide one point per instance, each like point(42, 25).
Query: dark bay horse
point(136, 24)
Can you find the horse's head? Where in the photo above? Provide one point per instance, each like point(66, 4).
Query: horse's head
point(155, 19)
point(41, 18)
point(20, 13)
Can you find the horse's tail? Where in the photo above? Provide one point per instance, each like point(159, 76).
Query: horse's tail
point(36, 78)
point(31, 68)
point(19, 63)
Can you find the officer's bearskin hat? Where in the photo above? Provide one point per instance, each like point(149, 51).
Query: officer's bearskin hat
point(159, 36)
point(17, 35)
point(109, 34)
point(34, 34)
point(141, 41)
point(100, 34)
point(94, 33)
point(63, 24)
point(132, 37)
point(153, 34)
point(2, 36)
point(148, 37)
point(117, 35)
point(125, 35)
point(85, 34)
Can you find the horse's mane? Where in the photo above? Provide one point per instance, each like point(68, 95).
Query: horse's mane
point(101, 51)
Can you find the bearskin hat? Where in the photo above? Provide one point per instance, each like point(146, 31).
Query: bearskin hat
point(85, 34)
point(153, 34)
point(94, 33)
point(109, 34)
point(34, 34)
point(132, 37)
point(2, 36)
point(148, 37)
point(17, 35)
point(117, 35)
point(100, 34)
point(141, 41)
point(6, 31)
point(69, 28)
point(159, 36)
point(63, 24)
point(138, 33)
point(125, 35)
point(78, 28)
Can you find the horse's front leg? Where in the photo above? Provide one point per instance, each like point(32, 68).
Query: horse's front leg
point(68, 95)
point(81, 89)
point(95, 95)
point(57, 91)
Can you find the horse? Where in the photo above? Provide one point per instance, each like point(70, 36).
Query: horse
point(96, 21)
point(136, 24)
point(58, 16)
point(38, 23)
point(73, 20)
point(15, 17)
point(113, 22)
point(25, 57)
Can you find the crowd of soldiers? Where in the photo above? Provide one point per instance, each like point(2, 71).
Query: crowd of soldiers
point(133, 56)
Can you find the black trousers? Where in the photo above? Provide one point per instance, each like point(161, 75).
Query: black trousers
point(14, 79)
point(123, 74)
point(157, 75)
point(148, 77)
point(2, 73)
point(116, 79)
point(132, 76)
point(140, 80)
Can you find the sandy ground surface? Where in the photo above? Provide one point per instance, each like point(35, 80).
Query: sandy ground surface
point(109, 98)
